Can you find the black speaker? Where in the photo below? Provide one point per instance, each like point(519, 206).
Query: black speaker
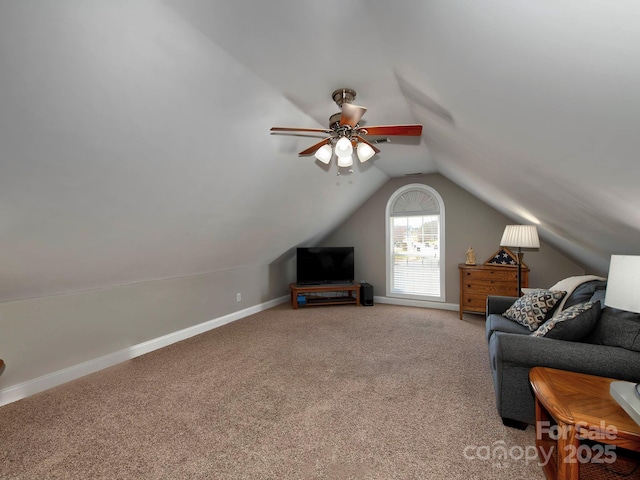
point(366, 294)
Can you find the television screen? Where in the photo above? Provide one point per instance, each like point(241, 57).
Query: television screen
point(320, 265)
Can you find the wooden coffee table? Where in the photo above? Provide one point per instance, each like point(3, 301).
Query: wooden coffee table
point(573, 412)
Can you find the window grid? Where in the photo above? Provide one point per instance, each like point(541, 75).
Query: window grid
point(415, 244)
point(415, 259)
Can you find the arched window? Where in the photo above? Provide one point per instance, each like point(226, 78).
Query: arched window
point(415, 244)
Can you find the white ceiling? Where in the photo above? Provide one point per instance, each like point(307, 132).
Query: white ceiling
point(531, 106)
point(134, 136)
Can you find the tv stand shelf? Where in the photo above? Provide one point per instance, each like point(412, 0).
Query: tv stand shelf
point(325, 294)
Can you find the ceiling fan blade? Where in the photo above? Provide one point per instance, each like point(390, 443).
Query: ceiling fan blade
point(293, 129)
point(403, 130)
point(312, 149)
point(360, 139)
point(351, 114)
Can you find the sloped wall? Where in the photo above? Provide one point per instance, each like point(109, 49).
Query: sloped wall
point(133, 204)
point(44, 336)
point(468, 222)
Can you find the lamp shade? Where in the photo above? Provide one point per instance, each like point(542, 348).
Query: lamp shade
point(344, 147)
point(364, 151)
point(324, 153)
point(623, 283)
point(521, 236)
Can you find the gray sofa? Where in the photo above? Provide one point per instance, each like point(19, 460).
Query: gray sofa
point(611, 348)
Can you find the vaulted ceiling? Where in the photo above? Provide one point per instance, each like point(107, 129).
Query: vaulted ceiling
point(135, 145)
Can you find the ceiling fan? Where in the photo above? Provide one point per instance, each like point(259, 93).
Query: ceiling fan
point(346, 134)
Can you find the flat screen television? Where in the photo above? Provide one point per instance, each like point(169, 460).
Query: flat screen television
point(320, 265)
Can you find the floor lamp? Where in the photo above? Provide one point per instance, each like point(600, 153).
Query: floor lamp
point(520, 236)
point(623, 285)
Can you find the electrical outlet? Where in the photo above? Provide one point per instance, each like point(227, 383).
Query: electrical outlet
point(239, 297)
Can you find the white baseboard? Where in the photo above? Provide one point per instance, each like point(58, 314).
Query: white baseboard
point(417, 303)
point(45, 382)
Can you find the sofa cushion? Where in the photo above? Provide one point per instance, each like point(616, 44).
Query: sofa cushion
point(584, 292)
point(499, 323)
point(598, 296)
point(531, 309)
point(573, 324)
point(574, 286)
point(617, 328)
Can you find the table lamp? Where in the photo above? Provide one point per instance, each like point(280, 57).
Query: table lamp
point(623, 285)
point(520, 236)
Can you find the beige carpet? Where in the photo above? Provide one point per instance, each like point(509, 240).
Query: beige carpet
point(334, 392)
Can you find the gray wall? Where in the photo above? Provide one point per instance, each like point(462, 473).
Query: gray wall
point(468, 222)
point(45, 335)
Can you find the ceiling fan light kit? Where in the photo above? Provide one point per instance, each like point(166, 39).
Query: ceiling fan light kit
point(345, 133)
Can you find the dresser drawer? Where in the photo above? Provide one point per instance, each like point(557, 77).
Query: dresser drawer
point(473, 303)
point(509, 289)
point(503, 274)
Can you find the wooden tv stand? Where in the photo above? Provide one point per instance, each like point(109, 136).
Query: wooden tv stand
point(325, 294)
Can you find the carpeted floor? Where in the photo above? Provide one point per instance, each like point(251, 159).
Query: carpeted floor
point(336, 392)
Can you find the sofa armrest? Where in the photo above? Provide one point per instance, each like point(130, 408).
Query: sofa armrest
point(600, 360)
point(499, 304)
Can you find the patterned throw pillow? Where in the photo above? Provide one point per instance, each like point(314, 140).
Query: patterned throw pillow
point(531, 309)
point(573, 323)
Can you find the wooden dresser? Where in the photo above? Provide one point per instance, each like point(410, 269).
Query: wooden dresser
point(478, 281)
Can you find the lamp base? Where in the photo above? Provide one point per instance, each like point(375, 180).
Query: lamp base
point(625, 394)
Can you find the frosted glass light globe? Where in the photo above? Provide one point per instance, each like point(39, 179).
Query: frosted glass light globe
point(344, 147)
point(345, 161)
point(365, 152)
point(324, 154)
